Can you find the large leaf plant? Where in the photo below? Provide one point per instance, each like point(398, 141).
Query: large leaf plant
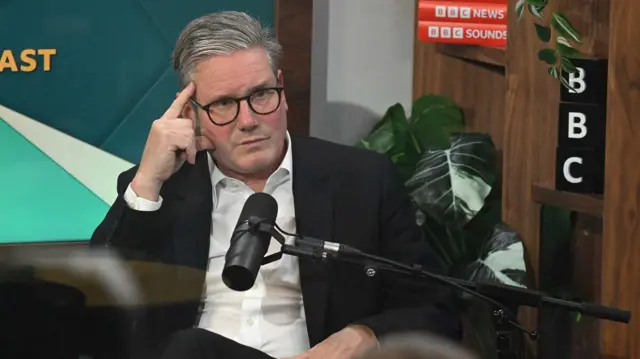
point(450, 176)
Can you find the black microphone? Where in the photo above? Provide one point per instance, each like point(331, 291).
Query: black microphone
point(248, 244)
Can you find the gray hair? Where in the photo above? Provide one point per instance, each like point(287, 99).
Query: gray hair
point(418, 346)
point(221, 33)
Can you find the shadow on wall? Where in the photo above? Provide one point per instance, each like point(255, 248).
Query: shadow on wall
point(345, 122)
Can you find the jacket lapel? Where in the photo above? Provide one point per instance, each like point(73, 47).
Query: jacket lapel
point(314, 218)
point(192, 195)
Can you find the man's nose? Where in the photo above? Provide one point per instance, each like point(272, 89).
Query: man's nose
point(246, 117)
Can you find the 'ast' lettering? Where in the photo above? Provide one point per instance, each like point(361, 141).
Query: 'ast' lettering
point(27, 60)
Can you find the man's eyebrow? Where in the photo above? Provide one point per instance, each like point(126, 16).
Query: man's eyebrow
point(262, 85)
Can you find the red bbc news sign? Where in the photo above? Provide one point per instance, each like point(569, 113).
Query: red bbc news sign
point(471, 22)
point(463, 12)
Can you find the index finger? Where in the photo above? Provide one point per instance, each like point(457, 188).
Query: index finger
point(178, 104)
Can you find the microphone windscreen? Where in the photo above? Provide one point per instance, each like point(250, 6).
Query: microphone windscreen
point(248, 246)
point(260, 205)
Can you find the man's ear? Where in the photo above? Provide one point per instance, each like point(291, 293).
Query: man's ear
point(280, 78)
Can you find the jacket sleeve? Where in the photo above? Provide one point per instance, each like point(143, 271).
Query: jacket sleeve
point(406, 306)
point(135, 234)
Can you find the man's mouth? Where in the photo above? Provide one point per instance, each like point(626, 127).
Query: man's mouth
point(253, 140)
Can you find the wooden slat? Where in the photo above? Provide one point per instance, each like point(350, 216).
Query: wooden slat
point(586, 281)
point(621, 247)
point(588, 204)
point(293, 26)
point(480, 54)
point(530, 132)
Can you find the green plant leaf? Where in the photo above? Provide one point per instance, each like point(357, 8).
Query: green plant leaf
point(433, 119)
point(563, 26)
point(388, 134)
point(502, 259)
point(553, 71)
point(563, 40)
point(567, 65)
point(565, 49)
point(543, 32)
point(548, 55)
point(392, 136)
point(536, 11)
point(520, 8)
point(537, 2)
point(450, 185)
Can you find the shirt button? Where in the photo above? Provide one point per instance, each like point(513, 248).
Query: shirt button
point(250, 321)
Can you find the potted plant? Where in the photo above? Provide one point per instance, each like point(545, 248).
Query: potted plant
point(451, 177)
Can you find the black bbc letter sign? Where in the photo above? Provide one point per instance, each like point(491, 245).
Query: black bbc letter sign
point(579, 170)
point(588, 83)
point(581, 126)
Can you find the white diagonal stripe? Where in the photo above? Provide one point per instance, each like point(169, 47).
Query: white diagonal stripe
point(96, 169)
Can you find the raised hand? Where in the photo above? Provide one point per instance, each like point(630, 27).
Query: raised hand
point(170, 143)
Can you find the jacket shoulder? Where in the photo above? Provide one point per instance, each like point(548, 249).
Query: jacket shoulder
point(340, 156)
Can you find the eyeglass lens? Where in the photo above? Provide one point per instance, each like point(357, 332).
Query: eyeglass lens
point(261, 102)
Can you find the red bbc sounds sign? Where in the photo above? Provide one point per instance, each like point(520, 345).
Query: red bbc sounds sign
point(472, 22)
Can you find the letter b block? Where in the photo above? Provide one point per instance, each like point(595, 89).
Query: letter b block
point(588, 82)
point(580, 170)
point(581, 126)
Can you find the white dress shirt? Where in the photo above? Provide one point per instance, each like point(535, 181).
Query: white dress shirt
point(270, 316)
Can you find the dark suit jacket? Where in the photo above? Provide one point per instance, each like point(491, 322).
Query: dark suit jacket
point(342, 194)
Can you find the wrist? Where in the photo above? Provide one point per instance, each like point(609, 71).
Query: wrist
point(146, 188)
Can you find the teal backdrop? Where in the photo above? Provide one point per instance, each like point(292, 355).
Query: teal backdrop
point(111, 77)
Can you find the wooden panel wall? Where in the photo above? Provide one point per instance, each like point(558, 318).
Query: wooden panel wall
point(294, 19)
point(621, 247)
point(472, 79)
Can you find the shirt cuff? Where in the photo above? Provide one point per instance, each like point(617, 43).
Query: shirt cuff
point(140, 204)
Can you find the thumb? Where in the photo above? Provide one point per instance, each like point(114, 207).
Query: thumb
point(204, 144)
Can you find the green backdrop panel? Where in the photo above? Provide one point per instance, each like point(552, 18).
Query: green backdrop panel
point(39, 200)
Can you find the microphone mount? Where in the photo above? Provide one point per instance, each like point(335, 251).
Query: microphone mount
point(493, 293)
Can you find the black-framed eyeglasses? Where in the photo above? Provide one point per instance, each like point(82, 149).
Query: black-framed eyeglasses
point(224, 111)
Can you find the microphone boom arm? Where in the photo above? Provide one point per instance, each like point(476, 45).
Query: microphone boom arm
point(487, 291)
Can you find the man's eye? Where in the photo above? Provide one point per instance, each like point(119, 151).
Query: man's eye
point(260, 93)
point(224, 103)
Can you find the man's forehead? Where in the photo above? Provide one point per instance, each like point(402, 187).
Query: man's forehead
point(224, 76)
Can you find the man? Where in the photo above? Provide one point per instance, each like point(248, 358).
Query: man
point(224, 138)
